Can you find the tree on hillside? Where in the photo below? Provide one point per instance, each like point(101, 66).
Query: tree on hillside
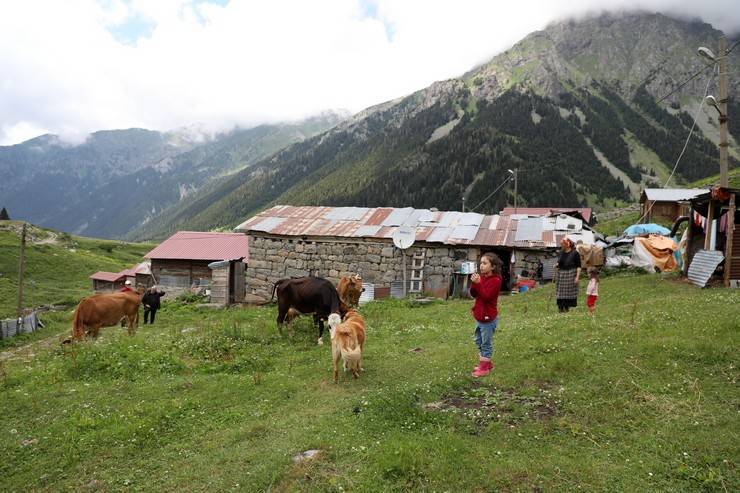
point(4, 215)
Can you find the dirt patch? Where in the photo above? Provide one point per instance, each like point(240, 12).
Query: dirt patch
point(484, 404)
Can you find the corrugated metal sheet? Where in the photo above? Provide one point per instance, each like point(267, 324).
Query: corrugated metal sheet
point(106, 276)
point(529, 229)
point(195, 245)
point(585, 212)
point(673, 194)
point(451, 227)
point(703, 265)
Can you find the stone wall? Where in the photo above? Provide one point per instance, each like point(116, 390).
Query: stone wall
point(526, 261)
point(377, 261)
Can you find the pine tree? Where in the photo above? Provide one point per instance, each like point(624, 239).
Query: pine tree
point(4, 215)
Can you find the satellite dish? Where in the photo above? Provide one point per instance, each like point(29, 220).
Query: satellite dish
point(404, 237)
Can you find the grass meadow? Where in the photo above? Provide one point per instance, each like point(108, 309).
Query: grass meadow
point(643, 397)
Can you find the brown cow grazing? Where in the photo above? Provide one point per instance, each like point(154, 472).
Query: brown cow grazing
point(105, 310)
point(348, 342)
point(350, 288)
point(304, 295)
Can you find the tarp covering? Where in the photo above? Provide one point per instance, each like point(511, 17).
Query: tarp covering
point(644, 229)
point(654, 251)
point(591, 255)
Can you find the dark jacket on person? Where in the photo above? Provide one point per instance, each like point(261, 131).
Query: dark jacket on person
point(569, 260)
point(152, 300)
point(486, 294)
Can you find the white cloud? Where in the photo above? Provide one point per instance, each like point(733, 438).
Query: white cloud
point(77, 66)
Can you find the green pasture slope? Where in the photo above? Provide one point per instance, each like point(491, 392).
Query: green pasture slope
point(642, 398)
point(57, 265)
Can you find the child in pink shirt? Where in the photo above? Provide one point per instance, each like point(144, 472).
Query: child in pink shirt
point(592, 290)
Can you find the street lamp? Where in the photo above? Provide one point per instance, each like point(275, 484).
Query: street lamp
point(721, 105)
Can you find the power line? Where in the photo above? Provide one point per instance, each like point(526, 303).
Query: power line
point(684, 83)
point(507, 180)
point(691, 131)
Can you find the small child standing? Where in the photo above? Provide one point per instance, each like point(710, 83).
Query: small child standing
point(592, 290)
point(485, 288)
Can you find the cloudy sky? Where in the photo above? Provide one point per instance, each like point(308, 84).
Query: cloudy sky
point(75, 66)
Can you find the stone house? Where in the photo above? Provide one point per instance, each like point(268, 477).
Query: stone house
point(287, 241)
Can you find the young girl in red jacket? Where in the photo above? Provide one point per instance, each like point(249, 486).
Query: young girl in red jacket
point(485, 288)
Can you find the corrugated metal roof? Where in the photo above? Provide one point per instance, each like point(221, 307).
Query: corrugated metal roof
point(195, 245)
point(106, 276)
point(673, 194)
point(546, 211)
point(450, 227)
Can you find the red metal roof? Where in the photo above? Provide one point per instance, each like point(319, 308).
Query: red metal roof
point(544, 211)
point(197, 245)
point(450, 227)
point(107, 276)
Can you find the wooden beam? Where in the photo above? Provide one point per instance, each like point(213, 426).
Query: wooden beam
point(728, 244)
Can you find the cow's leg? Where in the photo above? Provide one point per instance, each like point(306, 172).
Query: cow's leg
point(335, 355)
point(317, 318)
point(95, 330)
point(282, 313)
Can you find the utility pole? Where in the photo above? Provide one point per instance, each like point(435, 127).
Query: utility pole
point(723, 83)
point(20, 271)
point(463, 203)
point(516, 186)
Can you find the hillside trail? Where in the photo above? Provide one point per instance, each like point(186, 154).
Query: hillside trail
point(29, 351)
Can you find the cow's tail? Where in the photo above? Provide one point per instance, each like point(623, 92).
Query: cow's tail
point(78, 328)
point(274, 288)
point(352, 357)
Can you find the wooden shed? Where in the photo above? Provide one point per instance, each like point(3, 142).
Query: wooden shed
point(666, 204)
point(227, 281)
point(713, 238)
point(181, 261)
point(106, 282)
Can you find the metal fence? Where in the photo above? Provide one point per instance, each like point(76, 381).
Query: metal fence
point(13, 326)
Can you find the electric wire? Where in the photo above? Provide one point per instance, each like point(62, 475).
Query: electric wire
point(507, 180)
point(691, 131)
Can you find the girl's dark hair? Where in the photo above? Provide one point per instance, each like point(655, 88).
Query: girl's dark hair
point(495, 262)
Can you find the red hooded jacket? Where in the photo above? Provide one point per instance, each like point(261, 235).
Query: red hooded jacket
point(486, 298)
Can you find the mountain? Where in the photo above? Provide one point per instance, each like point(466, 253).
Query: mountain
point(120, 179)
point(574, 107)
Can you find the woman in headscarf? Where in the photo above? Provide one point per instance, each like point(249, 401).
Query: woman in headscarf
point(569, 273)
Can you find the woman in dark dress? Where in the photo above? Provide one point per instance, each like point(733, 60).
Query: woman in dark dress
point(569, 273)
point(151, 304)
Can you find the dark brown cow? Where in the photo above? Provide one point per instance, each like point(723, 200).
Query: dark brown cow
point(309, 295)
point(105, 310)
point(350, 288)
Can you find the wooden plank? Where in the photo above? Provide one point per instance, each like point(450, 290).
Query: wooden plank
point(729, 260)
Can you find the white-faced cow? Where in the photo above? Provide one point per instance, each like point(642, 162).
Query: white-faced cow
point(305, 295)
point(350, 288)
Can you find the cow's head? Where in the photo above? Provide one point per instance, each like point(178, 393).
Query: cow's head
point(356, 281)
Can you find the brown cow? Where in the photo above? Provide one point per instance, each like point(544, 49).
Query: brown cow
point(105, 310)
point(350, 288)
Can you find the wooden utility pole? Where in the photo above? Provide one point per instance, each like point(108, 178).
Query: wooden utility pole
point(723, 82)
point(516, 186)
point(20, 271)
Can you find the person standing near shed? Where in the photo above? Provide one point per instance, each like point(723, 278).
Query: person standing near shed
point(151, 302)
point(568, 276)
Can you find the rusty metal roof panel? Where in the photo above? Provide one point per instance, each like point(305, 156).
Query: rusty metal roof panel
point(268, 224)
point(342, 228)
point(292, 226)
point(385, 232)
point(377, 217)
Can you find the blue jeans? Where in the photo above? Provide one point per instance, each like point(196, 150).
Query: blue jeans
point(484, 337)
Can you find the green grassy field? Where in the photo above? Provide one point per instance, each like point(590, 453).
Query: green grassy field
point(644, 397)
point(57, 265)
